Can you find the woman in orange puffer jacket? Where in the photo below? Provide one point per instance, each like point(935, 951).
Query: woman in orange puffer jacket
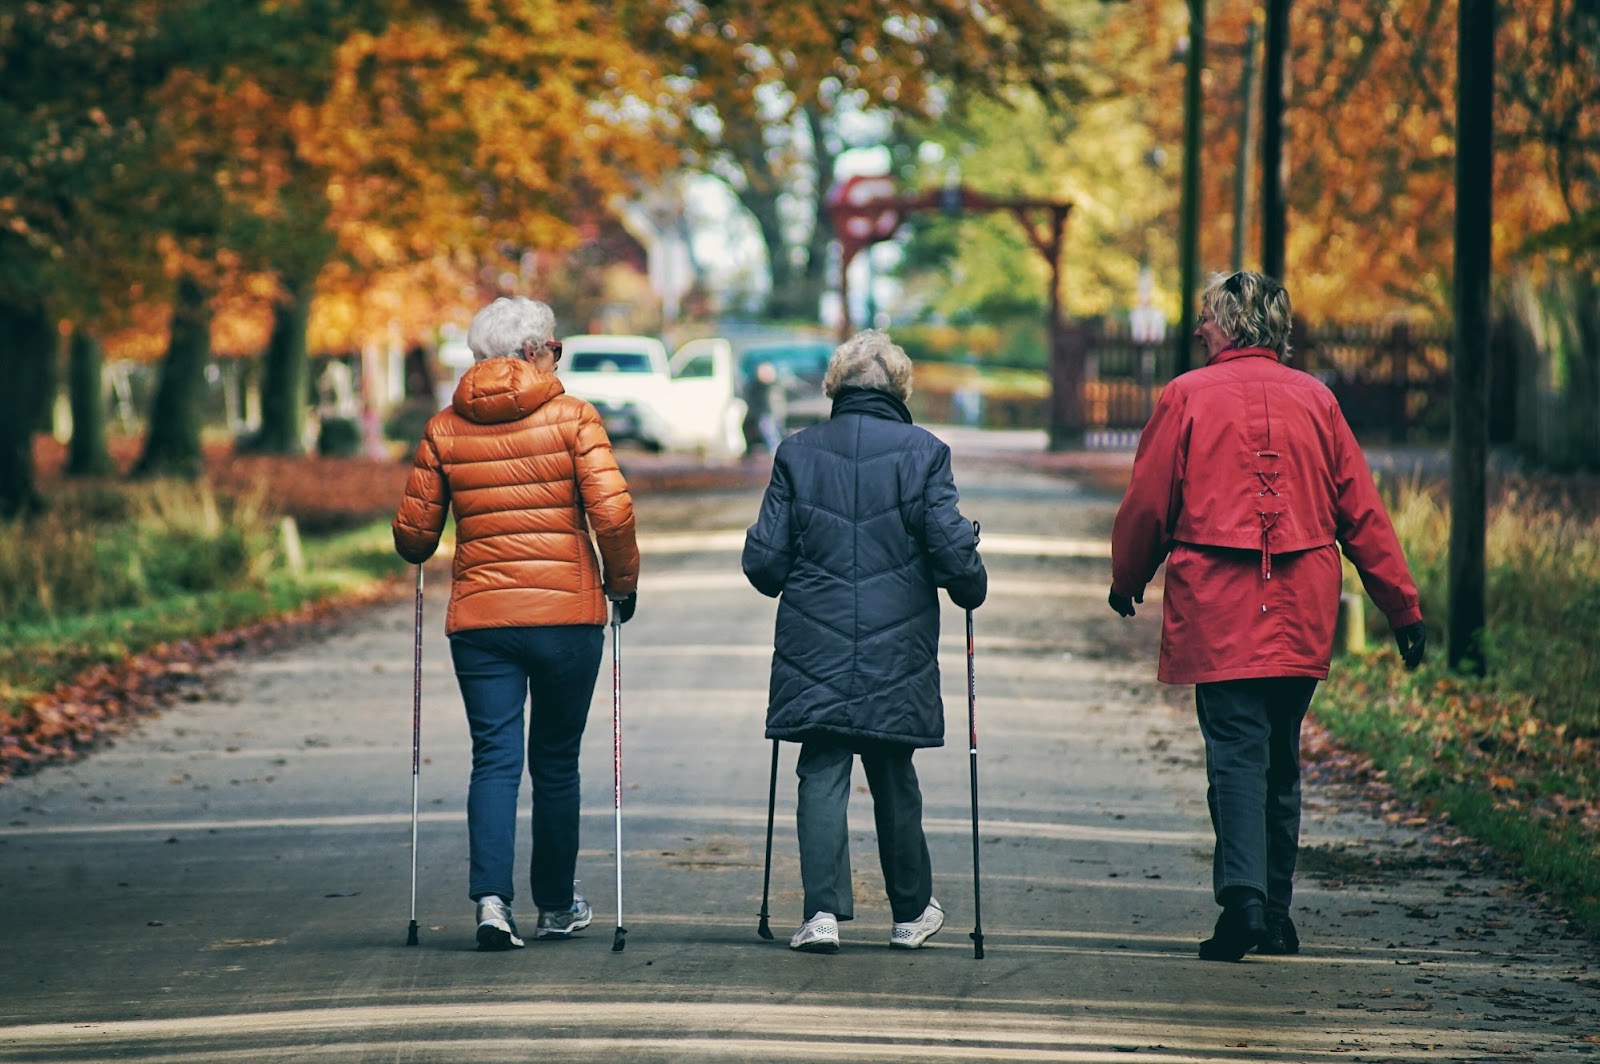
point(1247, 483)
point(529, 474)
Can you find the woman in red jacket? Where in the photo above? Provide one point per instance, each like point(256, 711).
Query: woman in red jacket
point(1247, 482)
point(529, 474)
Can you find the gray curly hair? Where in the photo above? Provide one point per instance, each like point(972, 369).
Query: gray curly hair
point(1251, 309)
point(501, 329)
point(869, 359)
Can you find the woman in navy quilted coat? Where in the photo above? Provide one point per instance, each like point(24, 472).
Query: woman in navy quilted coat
point(858, 530)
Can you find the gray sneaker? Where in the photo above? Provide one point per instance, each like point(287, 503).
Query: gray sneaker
point(561, 923)
point(496, 929)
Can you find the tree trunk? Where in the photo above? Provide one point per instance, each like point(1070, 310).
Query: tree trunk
point(26, 345)
point(814, 271)
point(797, 286)
point(172, 441)
point(284, 374)
point(44, 412)
point(763, 207)
point(87, 455)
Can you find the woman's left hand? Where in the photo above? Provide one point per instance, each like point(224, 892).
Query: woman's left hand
point(1122, 603)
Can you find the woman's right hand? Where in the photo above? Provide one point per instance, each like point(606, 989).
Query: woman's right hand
point(623, 606)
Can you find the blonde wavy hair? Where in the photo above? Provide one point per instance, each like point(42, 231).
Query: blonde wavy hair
point(869, 359)
point(1251, 309)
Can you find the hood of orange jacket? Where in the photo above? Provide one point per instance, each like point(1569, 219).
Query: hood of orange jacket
point(497, 390)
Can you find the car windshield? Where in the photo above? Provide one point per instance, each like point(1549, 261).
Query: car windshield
point(609, 362)
point(802, 360)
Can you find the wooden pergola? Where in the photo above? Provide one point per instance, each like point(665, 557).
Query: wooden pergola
point(867, 210)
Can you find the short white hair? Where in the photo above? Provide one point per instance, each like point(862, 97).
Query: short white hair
point(501, 329)
point(869, 359)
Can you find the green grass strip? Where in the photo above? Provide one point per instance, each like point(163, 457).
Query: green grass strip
point(34, 658)
point(1430, 756)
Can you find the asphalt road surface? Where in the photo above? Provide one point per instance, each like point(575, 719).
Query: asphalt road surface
point(230, 881)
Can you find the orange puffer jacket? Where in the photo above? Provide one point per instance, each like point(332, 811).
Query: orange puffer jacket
point(528, 471)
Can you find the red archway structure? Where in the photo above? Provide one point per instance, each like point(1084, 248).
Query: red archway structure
point(865, 210)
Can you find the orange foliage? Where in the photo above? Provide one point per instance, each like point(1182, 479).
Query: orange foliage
point(428, 150)
point(1370, 140)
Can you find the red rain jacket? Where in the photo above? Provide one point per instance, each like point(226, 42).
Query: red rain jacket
point(1247, 482)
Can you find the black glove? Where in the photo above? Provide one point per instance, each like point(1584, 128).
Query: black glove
point(1122, 603)
point(1412, 639)
point(624, 605)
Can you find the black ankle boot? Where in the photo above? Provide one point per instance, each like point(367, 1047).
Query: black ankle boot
point(1241, 928)
point(1282, 939)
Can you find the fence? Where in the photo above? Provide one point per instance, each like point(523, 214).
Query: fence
point(1392, 381)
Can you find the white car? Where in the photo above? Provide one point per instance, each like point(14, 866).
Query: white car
point(688, 402)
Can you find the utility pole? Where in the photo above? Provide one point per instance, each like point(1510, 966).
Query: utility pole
point(1189, 227)
point(1247, 122)
point(1469, 395)
point(1274, 211)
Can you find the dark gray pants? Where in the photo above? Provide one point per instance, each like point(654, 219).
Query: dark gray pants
point(1252, 733)
point(822, 823)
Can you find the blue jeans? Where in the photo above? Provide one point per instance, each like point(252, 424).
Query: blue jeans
point(1252, 733)
point(551, 671)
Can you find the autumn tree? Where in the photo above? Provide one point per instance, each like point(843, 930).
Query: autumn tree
point(770, 86)
point(434, 143)
point(72, 78)
point(1369, 140)
point(512, 128)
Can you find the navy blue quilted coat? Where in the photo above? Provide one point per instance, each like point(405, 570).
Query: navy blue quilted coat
point(858, 531)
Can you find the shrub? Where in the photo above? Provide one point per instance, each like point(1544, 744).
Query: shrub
point(340, 437)
point(406, 423)
point(103, 549)
point(1542, 597)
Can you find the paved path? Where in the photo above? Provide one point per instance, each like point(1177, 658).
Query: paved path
point(230, 882)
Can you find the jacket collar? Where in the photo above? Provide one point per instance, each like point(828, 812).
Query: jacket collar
point(872, 403)
point(503, 389)
point(1242, 352)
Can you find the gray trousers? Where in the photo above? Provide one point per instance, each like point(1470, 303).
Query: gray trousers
point(1252, 733)
point(821, 821)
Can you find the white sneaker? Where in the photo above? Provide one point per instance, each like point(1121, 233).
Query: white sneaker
point(496, 929)
point(820, 934)
point(913, 934)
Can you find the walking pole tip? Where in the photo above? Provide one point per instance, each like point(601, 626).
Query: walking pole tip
point(619, 940)
point(764, 929)
point(411, 935)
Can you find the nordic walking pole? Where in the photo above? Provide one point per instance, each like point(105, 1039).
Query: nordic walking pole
point(972, 734)
point(416, 754)
point(766, 876)
point(618, 940)
point(972, 737)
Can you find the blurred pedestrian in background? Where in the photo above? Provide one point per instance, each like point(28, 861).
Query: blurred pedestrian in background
point(1247, 482)
point(766, 408)
point(529, 473)
point(858, 530)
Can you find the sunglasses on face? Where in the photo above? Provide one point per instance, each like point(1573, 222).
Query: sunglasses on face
point(552, 346)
